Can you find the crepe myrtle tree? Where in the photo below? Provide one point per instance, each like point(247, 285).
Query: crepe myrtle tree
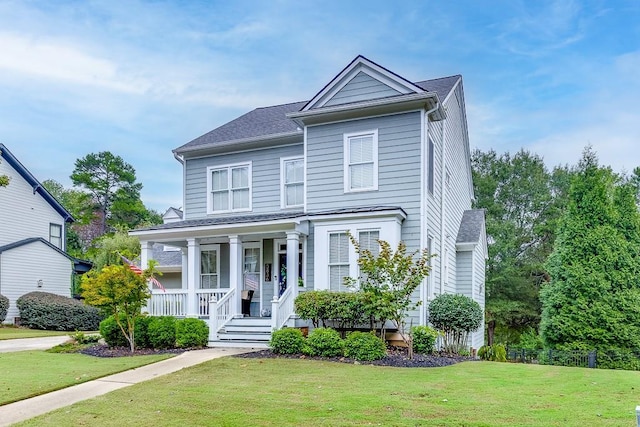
point(119, 291)
point(388, 282)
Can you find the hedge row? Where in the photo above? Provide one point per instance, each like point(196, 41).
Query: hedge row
point(4, 307)
point(157, 332)
point(42, 310)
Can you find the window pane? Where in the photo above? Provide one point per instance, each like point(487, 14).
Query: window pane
point(361, 176)
point(338, 248)
point(208, 281)
point(361, 149)
point(219, 180)
point(337, 273)
point(294, 195)
point(240, 199)
point(293, 171)
point(221, 201)
point(252, 260)
point(369, 240)
point(208, 262)
point(240, 177)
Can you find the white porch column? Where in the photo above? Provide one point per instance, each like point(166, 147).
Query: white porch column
point(235, 271)
point(293, 251)
point(185, 268)
point(145, 253)
point(193, 275)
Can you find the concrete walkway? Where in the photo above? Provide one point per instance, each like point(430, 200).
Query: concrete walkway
point(29, 408)
point(40, 343)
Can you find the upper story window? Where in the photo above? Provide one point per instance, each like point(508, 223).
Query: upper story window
point(229, 188)
point(292, 182)
point(55, 235)
point(361, 161)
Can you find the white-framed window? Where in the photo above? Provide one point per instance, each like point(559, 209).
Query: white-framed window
point(336, 258)
point(55, 235)
point(229, 188)
point(339, 265)
point(210, 267)
point(361, 161)
point(292, 182)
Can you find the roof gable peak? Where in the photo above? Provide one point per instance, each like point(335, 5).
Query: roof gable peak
point(361, 65)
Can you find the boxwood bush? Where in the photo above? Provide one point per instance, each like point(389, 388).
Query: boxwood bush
point(114, 337)
point(344, 309)
point(191, 333)
point(43, 310)
point(4, 307)
point(424, 339)
point(287, 341)
point(325, 342)
point(162, 332)
point(364, 346)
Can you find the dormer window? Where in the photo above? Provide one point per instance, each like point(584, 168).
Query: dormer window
point(229, 188)
point(361, 161)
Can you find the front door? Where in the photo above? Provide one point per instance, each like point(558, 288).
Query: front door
point(280, 279)
point(252, 274)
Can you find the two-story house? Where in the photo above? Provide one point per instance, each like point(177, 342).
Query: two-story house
point(270, 196)
point(32, 237)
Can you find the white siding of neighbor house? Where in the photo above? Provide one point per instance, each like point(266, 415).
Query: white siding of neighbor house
point(22, 267)
point(479, 286)
point(362, 87)
point(265, 168)
point(23, 214)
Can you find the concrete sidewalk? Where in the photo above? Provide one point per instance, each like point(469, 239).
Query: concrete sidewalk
point(39, 343)
point(29, 408)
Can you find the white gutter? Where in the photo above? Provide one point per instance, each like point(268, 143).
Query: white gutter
point(423, 206)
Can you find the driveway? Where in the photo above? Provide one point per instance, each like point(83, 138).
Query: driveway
point(41, 343)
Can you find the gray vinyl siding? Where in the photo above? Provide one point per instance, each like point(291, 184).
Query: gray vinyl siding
point(224, 265)
point(265, 179)
point(457, 198)
point(433, 208)
point(479, 287)
point(464, 273)
point(310, 283)
point(361, 88)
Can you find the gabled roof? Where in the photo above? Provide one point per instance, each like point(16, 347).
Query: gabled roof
point(34, 183)
point(471, 226)
point(272, 122)
point(79, 265)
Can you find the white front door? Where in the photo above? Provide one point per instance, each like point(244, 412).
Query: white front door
point(252, 272)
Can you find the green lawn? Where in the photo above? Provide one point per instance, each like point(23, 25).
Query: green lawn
point(10, 333)
point(25, 374)
point(268, 392)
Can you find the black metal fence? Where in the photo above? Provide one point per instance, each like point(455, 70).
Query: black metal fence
point(614, 359)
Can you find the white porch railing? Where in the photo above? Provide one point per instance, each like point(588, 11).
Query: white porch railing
point(281, 309)
point(221, 311)
point(203, 296)
point(173, 302)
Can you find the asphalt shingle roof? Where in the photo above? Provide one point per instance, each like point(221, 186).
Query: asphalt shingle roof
point(273, 120)
point(471, 226)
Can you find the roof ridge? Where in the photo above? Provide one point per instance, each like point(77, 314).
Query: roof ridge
point(279, 105)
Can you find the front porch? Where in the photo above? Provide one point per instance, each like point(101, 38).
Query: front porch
point(217, 273)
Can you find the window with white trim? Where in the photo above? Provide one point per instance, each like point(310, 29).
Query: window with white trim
point(55, 235)
point(229, 188)
point(361, 161)
point(338, 260)
point(368, 240)
point(292, 182)
point(209, 268)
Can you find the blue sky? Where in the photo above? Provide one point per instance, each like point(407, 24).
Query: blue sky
point(142, 78)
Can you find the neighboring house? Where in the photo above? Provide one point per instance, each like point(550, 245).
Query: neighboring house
point(32, 237)
point(269, 197)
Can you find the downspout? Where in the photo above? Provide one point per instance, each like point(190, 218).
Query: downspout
point(423, 208)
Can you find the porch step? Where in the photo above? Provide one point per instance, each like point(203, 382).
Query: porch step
point(246, 336)
point(246, 331)
point(251, 321)
point(239, 344)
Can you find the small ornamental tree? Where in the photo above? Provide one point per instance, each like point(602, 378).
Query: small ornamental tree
point(388, 282)
point(120, 292)
point(455, 316)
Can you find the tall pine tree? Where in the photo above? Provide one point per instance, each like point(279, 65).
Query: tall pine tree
point(593, 299)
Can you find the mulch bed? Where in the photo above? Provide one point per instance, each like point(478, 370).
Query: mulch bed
point(103, 350)
point(396, 357)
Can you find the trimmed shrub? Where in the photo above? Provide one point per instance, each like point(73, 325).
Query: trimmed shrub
point(43, 310)
point(4, 307)
point(364, 346)
point(114, 337)
point(346, 309)
point(162, 332)
point(324, 342)
point(424, 339)
point(455, 316)
point(191, 333)
point(287, 341)
point(494, 353)
point(82, 338)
